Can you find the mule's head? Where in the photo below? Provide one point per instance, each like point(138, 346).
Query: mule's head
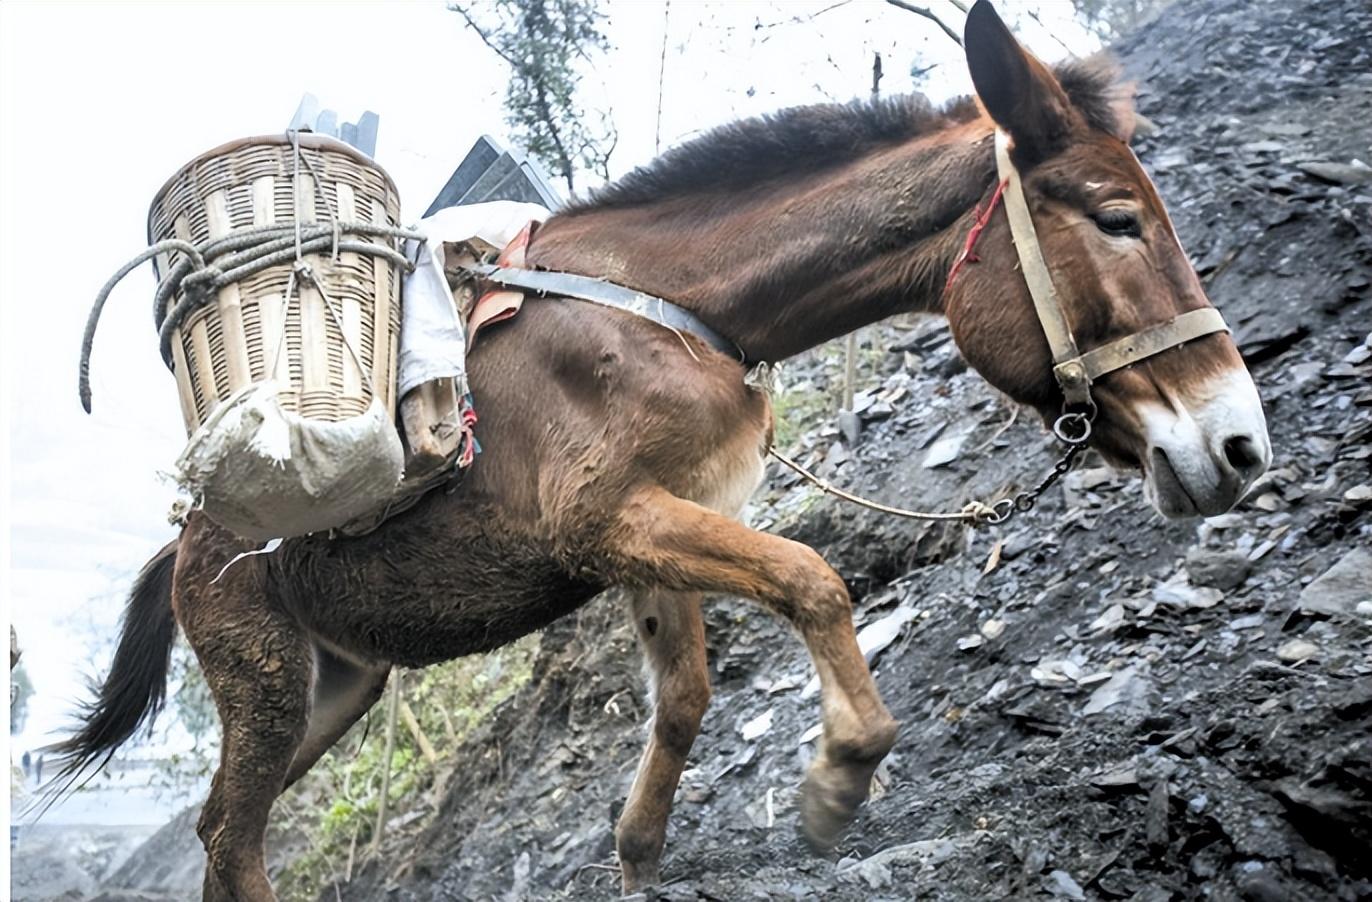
point(1189, 417)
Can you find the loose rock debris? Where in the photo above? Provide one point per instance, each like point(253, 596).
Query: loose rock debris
point(1160, 711)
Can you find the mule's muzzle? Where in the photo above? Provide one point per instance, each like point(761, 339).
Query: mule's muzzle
point(1203, 491)
point(1203, 455)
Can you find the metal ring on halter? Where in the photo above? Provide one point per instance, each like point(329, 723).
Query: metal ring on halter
point(1074, 428)
point(1001, 511)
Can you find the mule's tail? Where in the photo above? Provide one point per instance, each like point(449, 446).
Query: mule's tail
point(136, 687)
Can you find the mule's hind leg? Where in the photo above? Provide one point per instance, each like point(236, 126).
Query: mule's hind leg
point(672, 634)
point(343, 692)
point(666, 541)
point(257, 663)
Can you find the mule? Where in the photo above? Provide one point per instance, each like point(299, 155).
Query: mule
point(618, 452)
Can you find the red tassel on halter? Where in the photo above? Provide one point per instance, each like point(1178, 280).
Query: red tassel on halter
point(967, 255)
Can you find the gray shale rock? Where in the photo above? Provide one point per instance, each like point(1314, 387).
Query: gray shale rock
point(1340, 589)
point(1219, 569)
point(1339, 173)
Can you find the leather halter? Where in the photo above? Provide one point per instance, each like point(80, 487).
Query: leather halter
point(1073, 369)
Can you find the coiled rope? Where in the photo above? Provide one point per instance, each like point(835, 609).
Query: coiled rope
point(208, 266)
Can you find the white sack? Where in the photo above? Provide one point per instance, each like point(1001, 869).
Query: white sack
point(433, 340)
point(266, 473)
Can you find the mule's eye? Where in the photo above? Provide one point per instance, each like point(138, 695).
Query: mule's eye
point(1117, 223)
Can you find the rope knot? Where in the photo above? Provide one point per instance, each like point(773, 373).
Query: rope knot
point(204, 274)
point(979, 512)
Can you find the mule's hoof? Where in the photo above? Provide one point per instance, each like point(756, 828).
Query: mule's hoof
point(638, 878)
point(838, 783)
point(825, 813)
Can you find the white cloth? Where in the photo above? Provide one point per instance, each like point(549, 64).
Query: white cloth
point(433, 338)
point(266, 473)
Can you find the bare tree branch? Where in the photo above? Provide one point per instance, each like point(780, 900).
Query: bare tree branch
point(457, 8)
point(1035, 16)
point(537, 39)
point(930, 15)
point(661, 75)
point(800, 20)
point(602, 157)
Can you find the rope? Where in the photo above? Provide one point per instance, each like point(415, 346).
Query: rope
point(209, 266)
point(975, 512)
point(200, 287)
point(193, 257)
point(306, 272)
point(1072, 429)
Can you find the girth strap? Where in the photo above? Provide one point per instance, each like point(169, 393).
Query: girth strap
point(1074, 370)
point(598, 291)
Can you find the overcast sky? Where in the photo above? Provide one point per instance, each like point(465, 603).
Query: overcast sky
point(100, 103)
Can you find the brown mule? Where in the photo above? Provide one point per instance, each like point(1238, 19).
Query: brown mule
point(617, 452)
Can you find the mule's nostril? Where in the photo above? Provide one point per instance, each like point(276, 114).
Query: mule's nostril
point(1242, 454)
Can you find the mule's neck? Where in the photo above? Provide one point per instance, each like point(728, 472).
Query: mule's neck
point(802, 258)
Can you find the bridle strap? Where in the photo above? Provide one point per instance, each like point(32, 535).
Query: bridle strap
point(1074, 370)
point(1075, 385)
point(1155, 339)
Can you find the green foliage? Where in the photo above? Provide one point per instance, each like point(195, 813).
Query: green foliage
point(799, 409)
point(334, 808)
point(544, 42)
point(802, 406)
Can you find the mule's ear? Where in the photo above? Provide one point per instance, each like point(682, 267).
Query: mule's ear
point(1018, 91)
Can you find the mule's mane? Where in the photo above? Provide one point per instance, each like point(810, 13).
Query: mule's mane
point(800, 139)
point(742, 154)
point(1094, 87)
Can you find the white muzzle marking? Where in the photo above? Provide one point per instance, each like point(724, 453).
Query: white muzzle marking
point(1206, 449)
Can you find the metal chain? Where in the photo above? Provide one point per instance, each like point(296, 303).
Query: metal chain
point(1073, 429)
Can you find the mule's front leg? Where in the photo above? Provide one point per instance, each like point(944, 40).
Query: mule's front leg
point(667, 541)
point(672, 634)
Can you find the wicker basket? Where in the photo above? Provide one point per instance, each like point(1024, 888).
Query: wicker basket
point(231, 343)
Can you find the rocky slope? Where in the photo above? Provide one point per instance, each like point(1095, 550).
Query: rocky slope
point(1096, 703)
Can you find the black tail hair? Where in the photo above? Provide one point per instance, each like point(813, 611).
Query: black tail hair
point(135, 689)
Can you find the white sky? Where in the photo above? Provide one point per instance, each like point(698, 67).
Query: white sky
point(101, 102)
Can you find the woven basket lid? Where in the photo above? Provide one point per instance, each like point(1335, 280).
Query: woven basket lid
point(307, 139)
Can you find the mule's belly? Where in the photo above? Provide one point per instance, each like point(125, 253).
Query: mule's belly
point(421, 599)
